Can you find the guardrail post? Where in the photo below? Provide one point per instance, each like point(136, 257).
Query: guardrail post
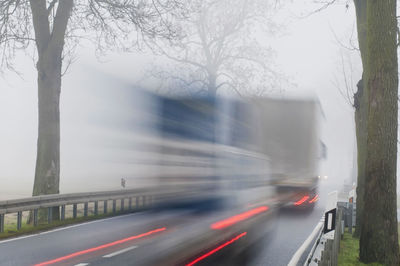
point(62, 212)
point(105, 206)
point(96, 207)
point(137, 202)
point(351, 218)
point(85, 209)
point(35, 217)
point(342, 229)
point(19, 220)
point(122, 204)
point(322, 258)
point(114, 206)
point(1, 223)
point(74, 210)
point(49, 215)
point(130, 203)
point(328, 250)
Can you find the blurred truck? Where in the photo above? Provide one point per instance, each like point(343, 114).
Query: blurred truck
point(209, 147)
point(218, 168)
point(291, 132)
point(253, 156)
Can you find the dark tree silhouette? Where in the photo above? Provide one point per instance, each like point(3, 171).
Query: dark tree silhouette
point(55, 27)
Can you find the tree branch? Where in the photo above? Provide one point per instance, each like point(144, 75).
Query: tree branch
point(40, 23)
point(51, 6)
point(60, 25)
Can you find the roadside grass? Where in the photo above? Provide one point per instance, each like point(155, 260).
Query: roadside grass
point(10, 230)
point(349, 251)
point(10, 224)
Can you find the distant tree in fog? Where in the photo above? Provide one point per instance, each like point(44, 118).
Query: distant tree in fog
point(54, 28)
point(222, 45)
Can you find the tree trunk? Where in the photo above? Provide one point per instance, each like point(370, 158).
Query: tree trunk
point(360, 114)
point(50, 45)
point(360, 122)
point(379, 238)
point(212, 84)
point(47, 173)
point(361, 15)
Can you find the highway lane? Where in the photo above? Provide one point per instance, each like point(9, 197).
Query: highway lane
point(125, 239)
point(292, 229)
point(154, 233)
point(60, 242)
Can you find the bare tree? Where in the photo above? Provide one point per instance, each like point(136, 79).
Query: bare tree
point(376, 117)
point(360, 101)
point(55, 28)
point(379, 236)
point(221, 47)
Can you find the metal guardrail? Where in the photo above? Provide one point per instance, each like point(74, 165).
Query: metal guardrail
point(312, 254)
point(141, 198)
point(326, 248)
point(329, 256)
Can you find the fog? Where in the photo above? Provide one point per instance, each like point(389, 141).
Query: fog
point(307, 52)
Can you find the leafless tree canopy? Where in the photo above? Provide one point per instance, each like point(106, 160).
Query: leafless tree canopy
point(56, 27)
point(124, 24)
point(221, 47)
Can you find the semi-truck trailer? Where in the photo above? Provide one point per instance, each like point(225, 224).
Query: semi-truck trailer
point(291, 132)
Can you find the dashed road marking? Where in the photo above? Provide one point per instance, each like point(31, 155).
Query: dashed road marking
point(119, 252)
point(81, 264)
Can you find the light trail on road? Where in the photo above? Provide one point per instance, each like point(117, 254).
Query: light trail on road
point(86, 251)
point(216, 249)
point(237, 218)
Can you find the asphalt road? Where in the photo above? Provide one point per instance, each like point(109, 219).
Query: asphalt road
point(124, 240)
point(292, 229)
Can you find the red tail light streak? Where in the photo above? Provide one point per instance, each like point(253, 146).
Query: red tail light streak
point(314, 199)
point(86, 251)
point(302, 200)
point(216, 249)
point(237, 218)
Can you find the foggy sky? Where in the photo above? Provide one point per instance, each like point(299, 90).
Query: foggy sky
point(306, 51)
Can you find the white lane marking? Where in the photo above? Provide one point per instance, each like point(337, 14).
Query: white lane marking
point(68, 227)
point(81, 264)
point(296, 257)
point(119, 252)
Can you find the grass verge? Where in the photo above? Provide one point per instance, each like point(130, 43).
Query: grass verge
point(10, 230)
point(349, 251)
